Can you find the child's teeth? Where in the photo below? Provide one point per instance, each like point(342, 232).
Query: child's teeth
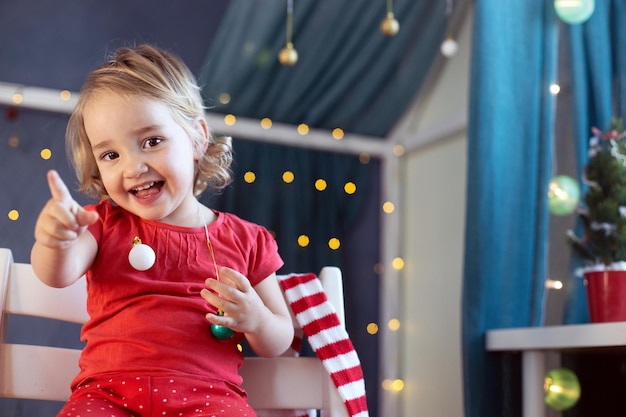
point(145, 187)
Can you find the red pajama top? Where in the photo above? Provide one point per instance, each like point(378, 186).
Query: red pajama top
point(152, 322)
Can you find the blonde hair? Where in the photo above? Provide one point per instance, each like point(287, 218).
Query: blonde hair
point(155, 74)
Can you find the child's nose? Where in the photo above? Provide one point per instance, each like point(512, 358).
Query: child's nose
point(135, 166)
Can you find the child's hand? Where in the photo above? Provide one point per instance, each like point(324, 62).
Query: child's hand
point(244, 311)
point(62, 219)
point(260, 312)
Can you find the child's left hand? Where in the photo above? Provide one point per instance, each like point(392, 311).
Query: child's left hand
point(243, 309)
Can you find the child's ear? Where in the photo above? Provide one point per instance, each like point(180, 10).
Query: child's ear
point(202, 129)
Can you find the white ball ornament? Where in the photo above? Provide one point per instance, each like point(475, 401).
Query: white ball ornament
point(141, 256)
point(449, 47)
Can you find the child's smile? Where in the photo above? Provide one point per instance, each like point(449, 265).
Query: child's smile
point(148, 190)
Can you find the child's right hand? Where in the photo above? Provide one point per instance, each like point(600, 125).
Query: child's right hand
point(62, 219)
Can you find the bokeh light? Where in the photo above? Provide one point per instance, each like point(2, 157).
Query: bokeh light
point(563, 195)
point(303, 129)
point(394, 324)
point(14, 215)
point(388, 207)
point(230, 120)
point(249, 177)
point(303, 241)
point(349, 188)
point(574, 11)
point(338, 133)
point(562, 389)
point(397, 263)
point(288, 177)
point(320, 185)
point(266, 123)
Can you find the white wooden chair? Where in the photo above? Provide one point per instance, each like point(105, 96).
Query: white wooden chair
point(45, 373)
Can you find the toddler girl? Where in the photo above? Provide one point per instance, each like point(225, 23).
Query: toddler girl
point(173, 286)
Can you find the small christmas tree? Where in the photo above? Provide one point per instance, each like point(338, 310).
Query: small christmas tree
point(604, 217)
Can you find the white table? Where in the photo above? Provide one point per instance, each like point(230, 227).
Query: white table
point(534, 342)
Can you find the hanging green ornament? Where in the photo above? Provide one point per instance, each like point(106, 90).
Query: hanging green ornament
point(563, 195)
point(574, 11)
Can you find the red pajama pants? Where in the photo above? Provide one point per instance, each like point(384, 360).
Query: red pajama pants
point(152, 396)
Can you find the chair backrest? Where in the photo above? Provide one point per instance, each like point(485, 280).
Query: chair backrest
point(45, 372)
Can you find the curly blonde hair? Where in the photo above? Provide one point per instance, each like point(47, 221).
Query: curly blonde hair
point(147, 71)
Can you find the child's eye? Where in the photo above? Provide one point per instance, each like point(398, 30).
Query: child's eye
point(109, 156)
point(151, 142)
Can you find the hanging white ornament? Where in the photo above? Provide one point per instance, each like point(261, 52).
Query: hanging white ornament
point(449, 47)
point(141, 256)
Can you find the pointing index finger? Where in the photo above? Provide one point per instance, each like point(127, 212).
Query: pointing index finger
point(58, 189)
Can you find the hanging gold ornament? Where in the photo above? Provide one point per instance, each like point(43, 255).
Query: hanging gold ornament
point(288, 56)
point(389, 25)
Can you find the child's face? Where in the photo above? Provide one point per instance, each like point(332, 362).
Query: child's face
point(146, 160)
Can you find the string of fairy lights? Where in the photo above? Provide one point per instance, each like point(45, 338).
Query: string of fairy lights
point(288, 177)
point(64, 101)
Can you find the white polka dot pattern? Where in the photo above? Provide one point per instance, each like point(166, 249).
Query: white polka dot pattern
point(139, 396)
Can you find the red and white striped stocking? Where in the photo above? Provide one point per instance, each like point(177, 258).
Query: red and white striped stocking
point(327, 337)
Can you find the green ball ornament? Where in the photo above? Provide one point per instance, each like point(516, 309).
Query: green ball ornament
point(563, 195)
point(221, 332)
point(574, 11)
point(562, 389)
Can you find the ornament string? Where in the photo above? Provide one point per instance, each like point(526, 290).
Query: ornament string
point(288, 55)
point(210, 247)
point(220, 332)
point(289, 29)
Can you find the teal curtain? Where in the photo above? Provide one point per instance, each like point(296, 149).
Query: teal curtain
point(509, 167)
point(598, 79)
point(348, 75)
